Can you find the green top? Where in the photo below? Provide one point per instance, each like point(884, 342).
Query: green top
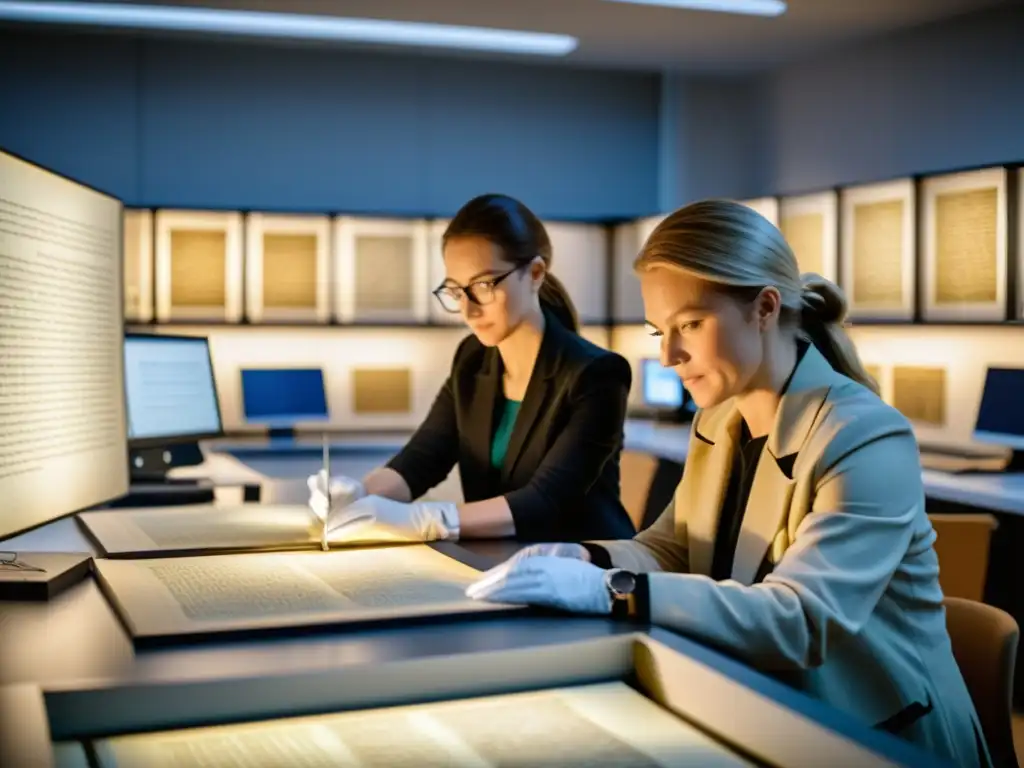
point(499, 444)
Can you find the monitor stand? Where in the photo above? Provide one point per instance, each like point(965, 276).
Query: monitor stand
point(281, 434)
point(151, 465)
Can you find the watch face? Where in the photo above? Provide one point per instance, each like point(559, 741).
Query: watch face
point(622, 582)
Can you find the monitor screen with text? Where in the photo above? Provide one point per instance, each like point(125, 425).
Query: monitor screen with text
point(172, 395)
point(63, 436)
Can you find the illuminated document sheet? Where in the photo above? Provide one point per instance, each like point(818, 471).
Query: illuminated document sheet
point(208, 528)
point(169, 597)
point(608, 725)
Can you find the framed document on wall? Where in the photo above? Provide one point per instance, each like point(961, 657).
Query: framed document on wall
point(628, 241)
point(198, 266)
point(1019, 314)
point(964, 232)
point(808, 222)
point(287, 268)
point(878, 250)
point(381, 270)
point(766, 206)
point(138, 265)
point(580, 261)
point(436, 275)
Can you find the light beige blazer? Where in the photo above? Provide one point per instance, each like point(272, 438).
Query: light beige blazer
point(851, 611)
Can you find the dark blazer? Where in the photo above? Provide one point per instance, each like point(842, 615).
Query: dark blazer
point(561, 471)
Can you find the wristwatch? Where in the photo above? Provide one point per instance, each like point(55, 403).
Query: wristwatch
point(620, 584)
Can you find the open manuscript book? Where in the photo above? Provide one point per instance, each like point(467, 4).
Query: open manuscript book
point(205, 528)
point(175, 572)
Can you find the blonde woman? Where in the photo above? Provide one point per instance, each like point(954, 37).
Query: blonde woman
point(797, 539)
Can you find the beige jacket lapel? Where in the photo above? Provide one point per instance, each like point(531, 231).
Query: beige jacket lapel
point(772, 490)
point(709, 463)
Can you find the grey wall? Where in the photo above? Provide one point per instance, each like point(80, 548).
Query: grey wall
point(939, 98)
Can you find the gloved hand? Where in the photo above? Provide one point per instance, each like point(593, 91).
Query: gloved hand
point(396, 520)
point(574, 551)
point(344, 490)
point(558, 582)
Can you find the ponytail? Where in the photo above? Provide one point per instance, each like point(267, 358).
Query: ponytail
point(823, 309)
point(555, 299)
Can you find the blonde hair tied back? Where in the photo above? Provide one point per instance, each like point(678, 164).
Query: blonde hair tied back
point(734, 247)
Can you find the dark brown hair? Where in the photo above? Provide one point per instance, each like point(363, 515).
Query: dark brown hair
point(521, 237)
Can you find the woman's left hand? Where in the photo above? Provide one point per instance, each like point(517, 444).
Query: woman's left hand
point(558, 582)
point(396, 520)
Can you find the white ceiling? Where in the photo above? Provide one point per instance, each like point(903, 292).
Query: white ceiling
point(631, 36)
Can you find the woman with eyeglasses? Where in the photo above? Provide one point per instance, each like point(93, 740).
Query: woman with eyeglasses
point(531, 412)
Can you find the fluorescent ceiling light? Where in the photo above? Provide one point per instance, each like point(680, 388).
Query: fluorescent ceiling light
point(747, 7)
point(289, 25)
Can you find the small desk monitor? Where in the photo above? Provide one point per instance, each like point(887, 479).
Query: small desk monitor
point(63, 440)
point(663, 393)
point(172, 401)
point(280, 398)
point(1001, 413)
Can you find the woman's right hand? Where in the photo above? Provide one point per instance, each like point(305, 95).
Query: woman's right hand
point(572, 551)
point(344, 491)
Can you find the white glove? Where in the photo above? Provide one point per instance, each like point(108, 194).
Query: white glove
point(344, 490)
point(558, 582)
point(573, 551)
point(418, 521)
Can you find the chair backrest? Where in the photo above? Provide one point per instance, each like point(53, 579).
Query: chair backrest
point(985, 646)
point(636, 470)
point(962, 545)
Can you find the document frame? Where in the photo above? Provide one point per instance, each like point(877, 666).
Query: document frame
point(766, 206)
point(347, 232)
point(823, 205)
point(436, 274)
point(138, 265)
point(229, 224)
point(257, 227)
point(903, 193)
point(717, 696)
point(932, 188)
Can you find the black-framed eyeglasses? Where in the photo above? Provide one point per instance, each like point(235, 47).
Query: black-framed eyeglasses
point(480, 292)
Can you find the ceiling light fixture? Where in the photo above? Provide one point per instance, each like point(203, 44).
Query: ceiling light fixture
point(745, 7)
point(289, 25)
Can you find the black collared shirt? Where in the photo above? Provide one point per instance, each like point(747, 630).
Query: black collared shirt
point(734, 504)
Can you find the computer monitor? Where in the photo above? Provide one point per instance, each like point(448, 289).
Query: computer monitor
point(280, 398)
point(172, 401)
point(1001, 413)
point(63, 434)
point(663, 394)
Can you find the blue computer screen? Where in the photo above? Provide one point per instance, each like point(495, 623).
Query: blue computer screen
point(283, 395)
point(1001, 413)
point(169, 388)
point(662, 387)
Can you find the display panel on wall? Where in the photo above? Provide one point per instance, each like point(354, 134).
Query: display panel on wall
point(287, 268)
point(629, 239)
point(1020, 244)
point(766, 206)
point(381, 270)
point(198, 266)
point(808, 222)
point(436, 275)
point(878, 250)
point(580, 261)
point(964, 223)
point(138, 266)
